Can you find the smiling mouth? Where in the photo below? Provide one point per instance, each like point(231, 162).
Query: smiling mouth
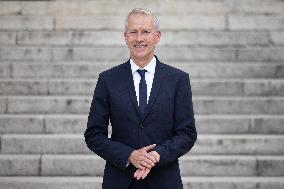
point(139, 46)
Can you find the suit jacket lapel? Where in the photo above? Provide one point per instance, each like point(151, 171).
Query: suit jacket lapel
point(130, 85)
point(155, 88)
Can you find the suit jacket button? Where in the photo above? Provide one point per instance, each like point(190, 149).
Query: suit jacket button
point(141, 126)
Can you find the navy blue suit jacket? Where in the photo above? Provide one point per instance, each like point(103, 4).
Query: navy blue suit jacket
point(168, 122)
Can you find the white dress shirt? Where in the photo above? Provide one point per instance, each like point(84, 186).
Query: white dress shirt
point(149, 76)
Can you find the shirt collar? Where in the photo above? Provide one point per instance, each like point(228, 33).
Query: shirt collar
point(149, 67)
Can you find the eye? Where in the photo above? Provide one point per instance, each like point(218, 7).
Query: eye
point(133, 32)
point(146, 32)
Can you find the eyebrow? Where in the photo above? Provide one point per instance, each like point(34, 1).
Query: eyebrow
point(141, 29)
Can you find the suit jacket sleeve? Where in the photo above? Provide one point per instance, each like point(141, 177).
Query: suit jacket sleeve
point(96, 134)
point(184, 135)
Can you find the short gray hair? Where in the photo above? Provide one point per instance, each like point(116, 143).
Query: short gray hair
point(142, 11)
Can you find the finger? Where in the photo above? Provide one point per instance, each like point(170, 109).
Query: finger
point(156, 155)
point(147, 171)
point(146, 163)
point(139, 176)
point(149, 160)
point(140, 165)
point(151, 157)
point(137, 172)
point(150, 147)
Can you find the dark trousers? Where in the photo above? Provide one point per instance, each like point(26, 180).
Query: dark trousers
point(138, 184)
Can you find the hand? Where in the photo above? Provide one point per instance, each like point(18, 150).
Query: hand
point(142, 173)
point(156, 155)
point(141, 159)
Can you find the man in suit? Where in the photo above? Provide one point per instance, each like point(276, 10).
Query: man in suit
point(149, 106)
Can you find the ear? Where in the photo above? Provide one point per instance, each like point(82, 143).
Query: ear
point(158, 37)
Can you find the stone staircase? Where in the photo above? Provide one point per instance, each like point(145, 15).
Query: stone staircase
point(51, 53)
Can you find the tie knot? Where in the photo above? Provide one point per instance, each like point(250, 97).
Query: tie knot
point(142, 72)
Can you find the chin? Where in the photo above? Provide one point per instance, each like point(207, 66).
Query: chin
point(139, 55)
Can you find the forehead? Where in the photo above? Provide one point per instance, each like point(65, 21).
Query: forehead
point(140, 21)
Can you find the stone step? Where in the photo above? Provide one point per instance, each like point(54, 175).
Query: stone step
point(5, 70)
point(167, 22)
point(82, 23)
point(8, 38)
point(199, 87)
point(3, 105)
point(255, 22)
point(277, 38)
point(195, 70)
point(120, 54)
point(75, 124)
point(205, 145)
point(81, 105)
point(29, 23)
point(257, 6)
point(188, 182)
point(116, 38)
point(115, 7)
point(20, 165)
point(92, 165)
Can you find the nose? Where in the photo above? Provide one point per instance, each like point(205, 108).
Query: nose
point(139, 37)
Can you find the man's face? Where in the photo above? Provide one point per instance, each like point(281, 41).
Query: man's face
point(141, 37)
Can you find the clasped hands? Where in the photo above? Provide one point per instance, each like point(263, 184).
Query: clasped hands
point(144, 159)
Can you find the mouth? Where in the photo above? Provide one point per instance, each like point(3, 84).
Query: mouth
point(140, 46)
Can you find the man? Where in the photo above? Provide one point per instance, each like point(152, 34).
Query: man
point(149, 105)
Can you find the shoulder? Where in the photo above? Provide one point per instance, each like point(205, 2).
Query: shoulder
point(114, 71)
point(173, 71)
point(174, 76)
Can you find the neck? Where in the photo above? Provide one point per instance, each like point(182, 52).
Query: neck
point(142, 62)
